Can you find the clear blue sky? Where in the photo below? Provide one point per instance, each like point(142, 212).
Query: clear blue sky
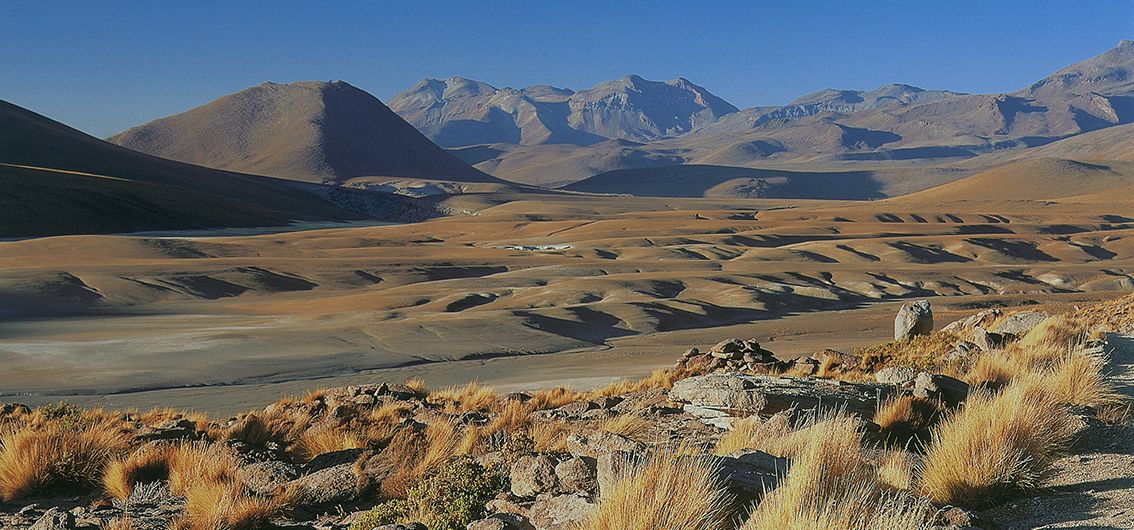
point(104, 66)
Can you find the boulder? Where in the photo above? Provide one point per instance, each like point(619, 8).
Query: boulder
point(747, 474)
point(501, 521)
point(577, 474)
point(332, 485)
point(559, 512)
point(959, 327)
point(949, 390)
point(914, 318)
point(402, 526)
point(264, 477)
point(533, 475)
point(594, 443)
point(332, 459)
point(1019, 324)
point(691, 352)
point(895, 375)
point(767, 395)
point(987, 340)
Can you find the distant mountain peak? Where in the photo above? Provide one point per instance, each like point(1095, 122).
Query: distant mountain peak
point(467, 112)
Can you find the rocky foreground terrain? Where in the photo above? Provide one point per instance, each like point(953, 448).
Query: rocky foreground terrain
point(1005, 419)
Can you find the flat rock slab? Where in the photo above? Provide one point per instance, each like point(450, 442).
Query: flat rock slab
point(741, 394)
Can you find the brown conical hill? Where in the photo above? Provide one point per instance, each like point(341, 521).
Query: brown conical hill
point(308, 131)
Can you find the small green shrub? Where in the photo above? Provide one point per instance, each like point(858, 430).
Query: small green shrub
point(446, 500)
point(384, 513)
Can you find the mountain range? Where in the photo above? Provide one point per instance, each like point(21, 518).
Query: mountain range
point(458, 112)
point(891, 123)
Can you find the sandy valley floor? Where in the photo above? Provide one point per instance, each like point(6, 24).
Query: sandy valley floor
point(541, 291)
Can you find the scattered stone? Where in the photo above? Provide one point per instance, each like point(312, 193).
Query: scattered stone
point(55, 519)
point(179, 429)
point(560, 512)
point(730, 349)
point(364, 400)
point(594, 443)
point(576, 409)
point(501, 521)
point(533, 475)
point(577, 474)
point(895, 375)
point(915, 318)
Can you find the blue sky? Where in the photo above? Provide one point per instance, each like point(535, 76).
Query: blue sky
point(104, 66)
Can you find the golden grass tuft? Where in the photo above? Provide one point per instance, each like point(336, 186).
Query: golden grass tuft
point(663, 492)
point(470, 397)
point(259, 428)
point(629, 425)
point(832, 486)
point(147, 464)
point(996, 445)
point(324, 438)
point(902, 418)
point(226, 506)
point(418, 387)
point(756, 433)
point(51, 459)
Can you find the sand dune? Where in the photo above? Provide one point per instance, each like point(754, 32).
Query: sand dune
point(553, 274)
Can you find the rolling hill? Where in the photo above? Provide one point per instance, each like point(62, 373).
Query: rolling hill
point(56, 180)
point(306, 131)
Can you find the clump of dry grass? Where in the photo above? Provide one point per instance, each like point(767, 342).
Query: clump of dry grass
point(226, 506)
point(148, 464)
point(631, 426)
point(418, 387)
point(554, 398)
point(470, 397)
point(324, 438)
point(756, 433)
point(896, 469)
point(904, 418)
point(996, 445)
point(664, 491)
point(832, 486)
point(52, 459)
point(259, 428)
